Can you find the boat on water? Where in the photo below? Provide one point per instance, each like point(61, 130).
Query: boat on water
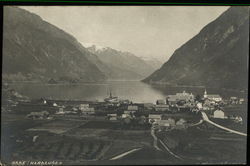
point(111, 99)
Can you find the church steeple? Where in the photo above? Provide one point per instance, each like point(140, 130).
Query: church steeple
point(205, 94)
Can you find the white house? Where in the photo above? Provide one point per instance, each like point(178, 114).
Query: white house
point(132, 108)
point(166, 123)
point(219, 114)
point(154, 117)
point(112, 117)
point(199, 106)
point(162, 107)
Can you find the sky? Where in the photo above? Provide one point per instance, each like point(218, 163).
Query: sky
point(146, 31)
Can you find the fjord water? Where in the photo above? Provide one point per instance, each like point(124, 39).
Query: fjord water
point(133, 90)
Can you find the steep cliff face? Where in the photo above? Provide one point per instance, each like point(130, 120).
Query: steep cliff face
point(122, 65)
point(216, 57)
point(36, 50)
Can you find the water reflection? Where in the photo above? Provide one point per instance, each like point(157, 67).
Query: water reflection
point(133, 90)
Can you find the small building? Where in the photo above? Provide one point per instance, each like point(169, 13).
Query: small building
point(132, 108)
point(206, 108)
point(214, 97)
point(86, 110)
point(160, 102)
point(90, 111)
point(172, 99)
point(241, 100)
point(184, 96)
point(124, 101)
point(60, 111)
point(219, 114)
point(238, 119)
point(112, 117)
point(154, 118)
point(125, 116)
point(162, 107)
point(42, 101)
point(199, 106)
point(148, 106)
point(129, 113)
point(83, 107)
point(208, 102)
point(166, 123)
point(234, 100)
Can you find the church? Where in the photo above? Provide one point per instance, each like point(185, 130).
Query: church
point(213, 97)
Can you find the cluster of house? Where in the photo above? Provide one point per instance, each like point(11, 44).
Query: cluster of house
point(166, 123)
point(210, 105)
point(183, 98)
point(236, 100)
point(172, 103)
point(156, 119)
point(220, 114)
point(128, 113)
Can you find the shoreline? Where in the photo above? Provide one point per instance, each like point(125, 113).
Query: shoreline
point(193, 86)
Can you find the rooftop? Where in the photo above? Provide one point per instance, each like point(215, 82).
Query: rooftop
point(154, 116)
point(213, 96)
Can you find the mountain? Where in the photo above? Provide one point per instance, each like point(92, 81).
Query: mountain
point(153, 62)
point(216, 57)
point(33, 49)
point(122, 65)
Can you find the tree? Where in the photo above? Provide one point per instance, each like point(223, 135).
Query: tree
point(198, 98)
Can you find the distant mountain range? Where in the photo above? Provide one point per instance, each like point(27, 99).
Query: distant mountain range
point(216, 57)
point(124, 65)
point(35, 50)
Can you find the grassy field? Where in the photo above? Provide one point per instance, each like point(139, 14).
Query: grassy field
point(66, 140)
point(207, 144)
point(58, 126)
point(75, 140)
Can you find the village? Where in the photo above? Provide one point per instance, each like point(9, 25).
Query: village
point(174, 111)
point(163, 111)
point(110, 126)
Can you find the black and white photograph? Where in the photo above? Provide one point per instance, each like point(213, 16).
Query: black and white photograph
point(124, 85)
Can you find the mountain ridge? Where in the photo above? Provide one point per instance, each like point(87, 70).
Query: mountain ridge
point(34, 49)
point(216, 57)
point(122, 65)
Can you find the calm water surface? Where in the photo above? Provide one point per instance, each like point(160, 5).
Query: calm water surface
point(133, 90)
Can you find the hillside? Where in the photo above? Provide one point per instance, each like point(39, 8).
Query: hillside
point(35, 50)
point(122, 65)
point(216, 57)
